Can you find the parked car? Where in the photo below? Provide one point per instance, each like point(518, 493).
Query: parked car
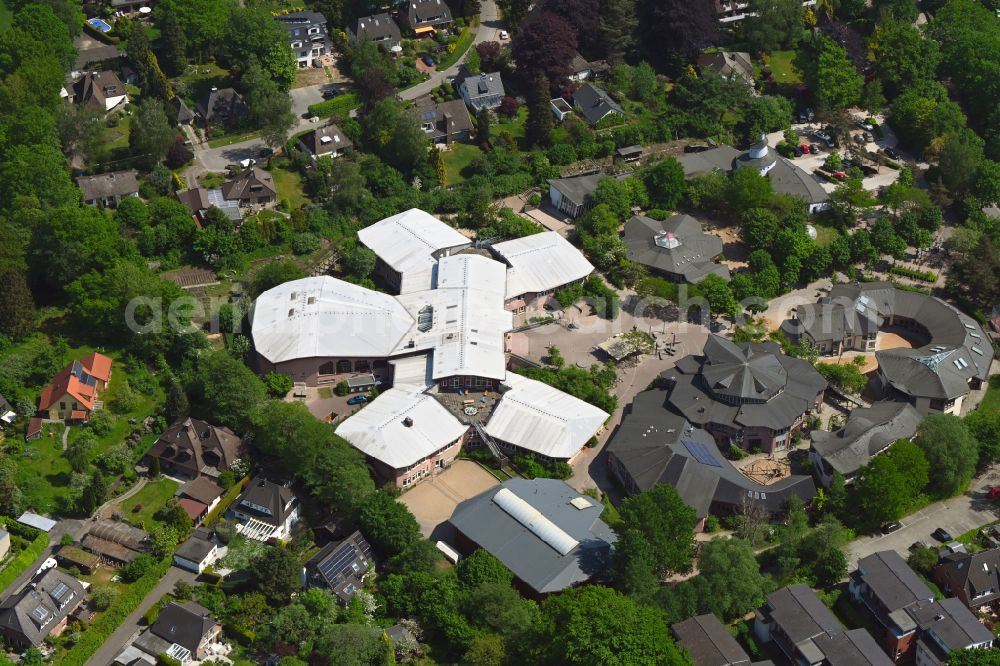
point(869, 137)
point(942, 535)
point(805, 148)
point(840, 175)
point(357, 400)
point(429, 61)
point(859, 138)
point(865, 125)
point(696, 148)
point(798, 151)
point(248, 162)
point(868, 171)
point(265, 152)
point(889, 528)
point(892, 154)
point(504, 34)
point(330, 93)
point(813, 149)
point(824, 137)
point(994, 492)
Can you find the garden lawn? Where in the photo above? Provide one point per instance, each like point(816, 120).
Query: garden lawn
point(43, 474)
point(515, 125)
point(457, 159)
point(783, 68)
point(991, 401)
point(117, 137)
point(199, 80)
point(240, 551)
point(289, 184)
point(151, 498)
point(825, 235)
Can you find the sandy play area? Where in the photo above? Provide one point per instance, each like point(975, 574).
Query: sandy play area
point(432, 500)
point(765, 471)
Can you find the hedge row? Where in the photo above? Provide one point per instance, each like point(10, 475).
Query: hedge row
point(226, 500)
point(99, 632)
point(926, 276)
point(23, 560)
point(341, 106)
point(100, 36)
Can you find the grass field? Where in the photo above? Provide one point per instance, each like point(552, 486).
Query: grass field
point(289, 184)
point(516, 125)
point(152, 497)
point(825, 235)
point(456, 159)
point(991, 401)
point(43, 473)
point(783, 68)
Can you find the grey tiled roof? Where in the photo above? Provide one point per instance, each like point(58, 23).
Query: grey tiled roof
point(868, 431)
point(676, 245)
point(952, 624)
point(595, 103)
point(892, 581)
point(786, 177)
point(978, 573)
point(522, 550)
point(708, 642)
point(112, 184)
point(655, 445)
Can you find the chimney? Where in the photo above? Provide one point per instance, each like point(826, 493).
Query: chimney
point(408, 422)
point(449, 127)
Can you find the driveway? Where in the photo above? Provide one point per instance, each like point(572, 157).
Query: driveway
point(957, 515)
point(130, 627)
point(488, 31)
point(72, 527)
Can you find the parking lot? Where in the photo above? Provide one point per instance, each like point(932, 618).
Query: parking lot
point(432, 500)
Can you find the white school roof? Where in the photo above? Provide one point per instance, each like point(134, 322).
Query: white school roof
point(541, 262)
point(407, 242)
point(326, 317)
point(412, 371)
point(467, 319)
point(379, 431)
point(537, 417)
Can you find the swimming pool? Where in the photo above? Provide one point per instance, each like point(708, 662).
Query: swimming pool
point(99, 24)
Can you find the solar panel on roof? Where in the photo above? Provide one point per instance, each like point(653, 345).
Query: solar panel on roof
point(40, 614)
point(59, 590)
point(700, 452)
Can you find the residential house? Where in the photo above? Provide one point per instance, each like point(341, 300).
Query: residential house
point(676, 248)
point(550, 536)
point(868, 432)
point(595, 104)
point(326, 141)
point(806, 632)
point(573, 195)
point(252, 186)
point(379, 28)
point(115, 542)
point(446, 122)
point(72, 394)
point(203, 492)
point(581, 68)
point(266, 510)
point(108, 189)
point(731, 65)
point(560, 108)
point(127, 7)
point(538, 266)
point(340, 567)
point(425, 16)
point(946, 626)
point(654, 445)
point(197, 552)
point(198, 200)
point(7, 413)
point(482, 92)
point(183, 115)
point(746, 394)
point(889, 590)
point(708, 642)
point(40, 610)
point(935, 376)
point(729, 11)
point(221, 108)
point(102, 90)
point(972, 577)
point(191, 448)
point(182, 631)
point(307, 35)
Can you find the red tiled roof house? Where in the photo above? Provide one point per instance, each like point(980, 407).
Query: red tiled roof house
point(71, 394)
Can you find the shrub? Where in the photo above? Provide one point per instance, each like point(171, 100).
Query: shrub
point(712, 524)
point(341, 106)
point(924, 276)
point(137, 568)
point(102, 422)
point(103, 597)
point(342, 388)
point(305, 243)
point(24, 559)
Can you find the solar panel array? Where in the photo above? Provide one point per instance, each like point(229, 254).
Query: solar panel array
point(700, 452)
point(339, 563)
point(59, 591)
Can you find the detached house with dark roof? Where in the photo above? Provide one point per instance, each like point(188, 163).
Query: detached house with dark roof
point(108, 189)
point(266, 510)
point(379, 28)
point(806, 632)
point(446, 122)
point(73, 393)
point(947, 626)
point(423, 16)
point(746, 394)
point(252, 186)
point(574, 195)
point(972, 577)
point(182, 631)
point(709, 643)
point(40, 610)
point(326, 141)
point(731, 65)
point(341, 566)
point(191, 448)
point(595, 104)
point(102, 90)
point(482, 92)
point(676, 247)
point(221, 107)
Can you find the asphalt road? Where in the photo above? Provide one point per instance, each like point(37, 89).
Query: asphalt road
point(130, 627)
point(956, 515)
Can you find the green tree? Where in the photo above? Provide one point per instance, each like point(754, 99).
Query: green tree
point(388, 524)
point(483, 127)
point(838, 83)
point(596, 626)
point(203, 22)
point(730, 567)
point(617, 28)
point(17, 308)
point(228, 391)
point(924, 111)
point(36, 175)
point(39, 24)
point(151, 134)
point(273, 274)
point(748, 189)
point(923, 560)
point(252, 35)
point(275, 574)
point(174, 45)
point(665, 183)
point(539, 125)
point(888, 485)
point(951, 450)
point(482, 567)
point(666, 522)
point(773, 25)
point(975, 657)
point(902, 56)
point(959, 158)
point(720, 297)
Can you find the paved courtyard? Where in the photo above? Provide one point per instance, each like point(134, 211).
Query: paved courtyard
point(432, 500)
